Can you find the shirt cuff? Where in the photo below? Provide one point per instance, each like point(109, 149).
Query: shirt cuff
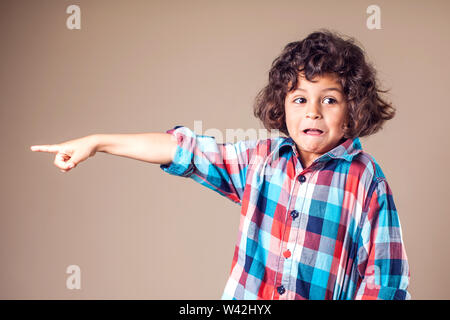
point(181, 164)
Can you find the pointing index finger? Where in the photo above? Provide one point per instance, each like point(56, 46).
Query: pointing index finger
point(45, 148)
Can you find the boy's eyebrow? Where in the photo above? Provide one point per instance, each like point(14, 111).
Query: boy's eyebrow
point(326, 89)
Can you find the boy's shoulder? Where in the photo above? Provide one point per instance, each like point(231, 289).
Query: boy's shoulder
point(369, 164)
point(273, 146)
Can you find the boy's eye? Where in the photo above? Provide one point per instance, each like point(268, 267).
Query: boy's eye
point(331, 100)
point(298, 99)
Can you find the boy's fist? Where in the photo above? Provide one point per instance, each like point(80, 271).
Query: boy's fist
point(70, 153)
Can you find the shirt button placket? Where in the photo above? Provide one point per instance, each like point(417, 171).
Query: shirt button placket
point(287, 253)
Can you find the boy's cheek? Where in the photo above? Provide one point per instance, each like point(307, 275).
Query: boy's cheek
point(293, 123)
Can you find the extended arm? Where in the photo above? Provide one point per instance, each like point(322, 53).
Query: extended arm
point(155, 147)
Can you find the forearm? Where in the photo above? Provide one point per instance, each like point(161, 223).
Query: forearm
point(154, 147)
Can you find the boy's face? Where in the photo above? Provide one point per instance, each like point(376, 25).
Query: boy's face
point(315, 106)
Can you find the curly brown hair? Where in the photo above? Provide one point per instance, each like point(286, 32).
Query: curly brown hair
point(321, 52)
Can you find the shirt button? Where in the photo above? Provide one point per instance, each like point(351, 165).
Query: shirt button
point(281, 289)
point(287, 253)
point(294, 214)
point(301, 178)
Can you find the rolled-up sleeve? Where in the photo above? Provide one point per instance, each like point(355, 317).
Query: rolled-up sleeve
point(382, 262)
point(221, 167)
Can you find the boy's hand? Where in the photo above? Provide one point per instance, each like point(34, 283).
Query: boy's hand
point(70, 153)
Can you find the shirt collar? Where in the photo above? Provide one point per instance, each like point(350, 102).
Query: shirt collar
point(346, 150)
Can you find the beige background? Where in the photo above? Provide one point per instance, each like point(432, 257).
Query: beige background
point(146, 66)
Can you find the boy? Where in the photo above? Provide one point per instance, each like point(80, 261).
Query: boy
point(318, 220)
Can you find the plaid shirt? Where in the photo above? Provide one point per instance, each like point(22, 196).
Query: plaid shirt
point(330, 231)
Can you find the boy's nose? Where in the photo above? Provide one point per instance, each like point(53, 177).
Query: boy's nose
point(312, 111)
point(313, 115)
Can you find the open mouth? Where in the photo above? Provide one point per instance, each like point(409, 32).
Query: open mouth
point(313, 132)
